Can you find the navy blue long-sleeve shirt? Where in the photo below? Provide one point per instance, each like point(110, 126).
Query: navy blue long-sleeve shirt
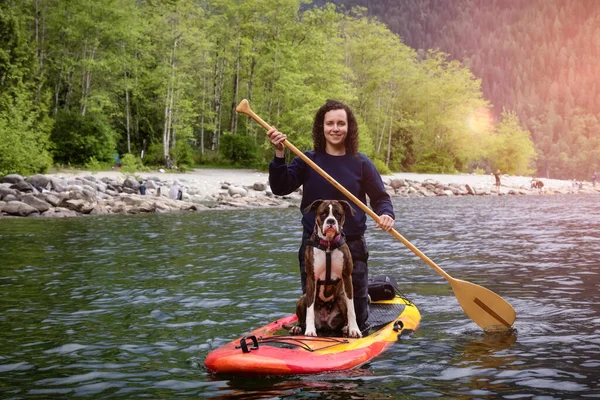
point(356, 173)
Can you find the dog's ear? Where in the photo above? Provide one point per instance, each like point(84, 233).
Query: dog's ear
point(347, 207)
point(313, 206)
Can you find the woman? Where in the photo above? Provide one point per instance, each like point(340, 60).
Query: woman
point(335, 138)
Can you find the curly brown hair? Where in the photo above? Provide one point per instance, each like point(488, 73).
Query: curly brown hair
point(318, 128)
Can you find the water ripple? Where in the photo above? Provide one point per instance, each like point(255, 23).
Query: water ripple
point(129, 306)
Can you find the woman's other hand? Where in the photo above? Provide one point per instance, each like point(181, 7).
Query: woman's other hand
point(386, 222)
point(277, 138)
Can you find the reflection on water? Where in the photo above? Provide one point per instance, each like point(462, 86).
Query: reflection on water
point(122, 307)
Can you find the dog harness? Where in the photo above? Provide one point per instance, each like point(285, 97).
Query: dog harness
point(327, 246)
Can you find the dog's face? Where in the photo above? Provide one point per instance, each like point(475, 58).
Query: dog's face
point(329, 216)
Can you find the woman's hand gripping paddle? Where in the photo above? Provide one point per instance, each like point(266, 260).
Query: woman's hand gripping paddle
point(488, 310)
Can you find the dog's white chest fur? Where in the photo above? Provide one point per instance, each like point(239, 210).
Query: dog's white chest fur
point(320, 268)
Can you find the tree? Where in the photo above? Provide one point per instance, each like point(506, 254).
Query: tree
point(511, 149)
point(24, 126)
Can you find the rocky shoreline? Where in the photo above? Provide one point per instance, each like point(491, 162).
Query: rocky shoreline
point(83, 193)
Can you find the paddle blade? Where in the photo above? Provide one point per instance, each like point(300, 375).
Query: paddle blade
point(488, 310)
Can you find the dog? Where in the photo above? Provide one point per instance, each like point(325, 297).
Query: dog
point(537, 184)
point(327, 306)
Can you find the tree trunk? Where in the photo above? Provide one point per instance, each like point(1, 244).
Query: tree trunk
point(86, 82)
point(169, 107)
point(389, 149)
point(165, 124)
point(203, 106)
point(127, 120)
point(173, 125)
point(37, 33)
point(219, 84)
point(83, 73)
point(69, 89)
point(40, 34)
point(56, 93)
point(127, 106)
point(170, 132)
point(215, 102)
point(381, 134)
point(251, 88)
point(236, 83)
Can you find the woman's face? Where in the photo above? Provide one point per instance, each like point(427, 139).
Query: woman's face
point(335, 127)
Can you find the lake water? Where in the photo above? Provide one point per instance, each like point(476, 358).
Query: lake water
point(128, 307)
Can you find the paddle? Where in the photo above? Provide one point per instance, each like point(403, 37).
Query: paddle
point(488, 310)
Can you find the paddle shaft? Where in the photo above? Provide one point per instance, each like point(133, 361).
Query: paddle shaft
point(245, 108)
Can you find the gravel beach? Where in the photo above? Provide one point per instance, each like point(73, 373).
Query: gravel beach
point(74, 193)
point(210, 181)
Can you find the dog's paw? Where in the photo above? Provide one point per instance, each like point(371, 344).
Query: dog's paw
point(295, 330)
point(355, 334)
point(352, 333)
point(312, 333)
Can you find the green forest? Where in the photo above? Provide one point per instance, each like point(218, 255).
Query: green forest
point(437, 86)
point(537, 58)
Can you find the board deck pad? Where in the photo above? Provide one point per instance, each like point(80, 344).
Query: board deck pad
point(383, 314)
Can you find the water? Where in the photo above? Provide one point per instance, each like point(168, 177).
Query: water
point(124, 307)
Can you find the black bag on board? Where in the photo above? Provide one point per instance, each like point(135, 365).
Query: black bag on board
point(382, 288)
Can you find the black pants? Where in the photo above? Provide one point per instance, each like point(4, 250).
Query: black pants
point(360, 275)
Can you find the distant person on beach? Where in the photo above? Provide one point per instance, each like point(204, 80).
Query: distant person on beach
point(595, 178)
point(497, 176)
point(142, 189)
point(176, 193)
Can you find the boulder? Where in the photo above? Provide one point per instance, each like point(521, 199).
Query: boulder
point(12, 178)
point(397, 183)
point(53, 200)
point(129, 190)
point(19, 208)
point(10, 197)
point(99, 210)
point(4, 191)
point(36, 203)
point(90, 178)
point(80, 206)
point(131, 183)
point(58, 185)
point(259, 187)
point(23, 187)
point(151, 184)
point(39, 180)
point(237, 190)
point(59, 212)
point(132, 200)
